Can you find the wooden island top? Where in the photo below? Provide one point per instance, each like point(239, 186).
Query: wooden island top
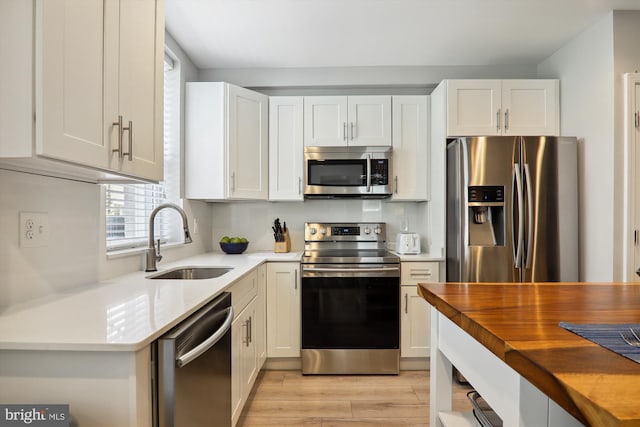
point(519, 324)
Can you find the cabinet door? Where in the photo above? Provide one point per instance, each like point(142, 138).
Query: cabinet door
point(415, 321)
point(473, 107)
point(530, 107)
point(261, 316)
point(238, 337)
point(410, 147)
point(286, 147)
point(140, 73)
point(244, 368)
point(248, 146)
point(69, 102)
point(283, 309)
point(325, 121)
point(369, 120)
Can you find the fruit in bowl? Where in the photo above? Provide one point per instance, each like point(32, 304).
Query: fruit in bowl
point(233, 245)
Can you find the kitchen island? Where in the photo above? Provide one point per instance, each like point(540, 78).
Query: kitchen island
point(506, 341)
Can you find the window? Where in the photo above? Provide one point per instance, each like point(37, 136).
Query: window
point(128, 206)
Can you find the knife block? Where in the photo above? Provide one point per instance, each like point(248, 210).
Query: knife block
point(285, 246)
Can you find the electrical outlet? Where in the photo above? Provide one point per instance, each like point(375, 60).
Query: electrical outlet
point(34, 229)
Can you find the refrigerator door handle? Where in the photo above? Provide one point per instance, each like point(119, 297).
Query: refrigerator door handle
point(516, 185)
point(527, 178)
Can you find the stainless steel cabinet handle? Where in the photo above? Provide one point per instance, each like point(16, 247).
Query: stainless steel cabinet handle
point(120, 130)
point(233, 182)
point(506, 119)
point(395, 184)
point(352, 132)
point(208, 343)
point(344, 131)
point(498, 120)
point(130, 152)
point(406, 303)
point(299, 185)
point(250, 330)
point(295, 280)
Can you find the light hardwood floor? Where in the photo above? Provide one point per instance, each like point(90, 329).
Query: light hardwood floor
point(287, 398)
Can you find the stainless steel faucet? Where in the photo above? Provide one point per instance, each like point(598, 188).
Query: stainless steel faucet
point(154, 256)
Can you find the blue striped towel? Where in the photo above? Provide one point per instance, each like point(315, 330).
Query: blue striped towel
point(607, 335)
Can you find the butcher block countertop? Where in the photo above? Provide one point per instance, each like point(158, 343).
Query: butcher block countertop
point(519, 324)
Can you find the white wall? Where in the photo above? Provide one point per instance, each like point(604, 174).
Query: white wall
point(585, 68)
point(253, 220)
point(371, 77)
point(76, 253)
point(591, 68)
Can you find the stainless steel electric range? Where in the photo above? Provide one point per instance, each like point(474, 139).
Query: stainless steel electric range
point(350, 300)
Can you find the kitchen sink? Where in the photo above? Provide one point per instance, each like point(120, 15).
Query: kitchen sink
point(191, 273)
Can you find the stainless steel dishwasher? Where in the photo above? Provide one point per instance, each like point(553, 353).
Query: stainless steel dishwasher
point(193, 369)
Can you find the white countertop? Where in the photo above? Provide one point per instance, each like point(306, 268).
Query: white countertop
point(123, 314)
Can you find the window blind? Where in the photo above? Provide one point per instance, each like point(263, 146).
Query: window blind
point(129, 206)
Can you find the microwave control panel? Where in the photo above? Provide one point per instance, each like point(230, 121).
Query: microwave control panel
point(379, 171)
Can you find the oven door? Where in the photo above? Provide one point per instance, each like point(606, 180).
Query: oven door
point(350, 307)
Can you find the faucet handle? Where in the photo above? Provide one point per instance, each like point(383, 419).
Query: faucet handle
point(158, 255)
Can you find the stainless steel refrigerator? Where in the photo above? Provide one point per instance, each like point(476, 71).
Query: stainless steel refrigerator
point(512, 209)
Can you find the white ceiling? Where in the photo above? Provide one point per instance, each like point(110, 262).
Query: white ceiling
point(344, 33)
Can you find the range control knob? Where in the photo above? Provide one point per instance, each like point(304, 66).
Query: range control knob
point(323, 231)
point(378, 230)
point(312, 231)
point(367, 230)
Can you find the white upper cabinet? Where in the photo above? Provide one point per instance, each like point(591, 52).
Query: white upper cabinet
point(226, 147)
point(502, 107)
point(286, 148)
point(410, 148)
point(338, 121)
point(94, 61)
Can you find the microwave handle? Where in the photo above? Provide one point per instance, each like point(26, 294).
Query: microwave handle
point(368, 173)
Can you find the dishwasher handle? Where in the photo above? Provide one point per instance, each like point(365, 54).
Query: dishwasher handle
point(208, 343)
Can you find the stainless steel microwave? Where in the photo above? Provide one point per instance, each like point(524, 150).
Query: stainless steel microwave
point(347, 172)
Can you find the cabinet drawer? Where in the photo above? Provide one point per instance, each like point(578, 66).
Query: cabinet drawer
point(412, 273)
point(243, 291)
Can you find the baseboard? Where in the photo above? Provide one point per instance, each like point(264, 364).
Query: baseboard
point(294, 363)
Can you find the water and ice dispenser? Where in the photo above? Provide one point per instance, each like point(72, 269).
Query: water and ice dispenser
point(486, 215)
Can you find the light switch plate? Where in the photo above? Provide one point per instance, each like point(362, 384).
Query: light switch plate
point(34, 229)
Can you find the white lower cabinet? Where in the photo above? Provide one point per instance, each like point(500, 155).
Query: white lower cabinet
point(244, 341)
point(283, 309)
point(415, 311)
point(261, 316)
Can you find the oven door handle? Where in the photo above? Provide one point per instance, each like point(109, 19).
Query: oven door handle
point(350, 270)
point(208, 343)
